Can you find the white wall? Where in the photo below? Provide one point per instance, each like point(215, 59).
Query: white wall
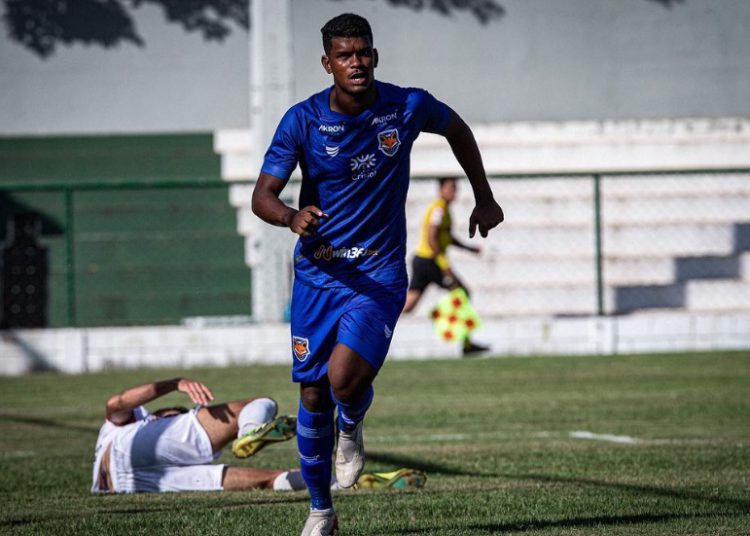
point(557, 59)
point(75, 351)
point(544, 60)
point(175, 82)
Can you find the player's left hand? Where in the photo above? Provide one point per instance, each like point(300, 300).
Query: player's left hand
point(486, 215)
point(198, 393)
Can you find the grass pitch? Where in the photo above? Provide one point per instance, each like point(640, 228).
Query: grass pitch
point(576, 445)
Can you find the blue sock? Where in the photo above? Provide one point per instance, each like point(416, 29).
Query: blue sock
point(350, 415)
point(315, 443)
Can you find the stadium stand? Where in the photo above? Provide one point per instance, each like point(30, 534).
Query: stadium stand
point(673, 242)
point(143, 255)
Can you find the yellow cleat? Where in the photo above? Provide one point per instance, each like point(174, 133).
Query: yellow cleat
point(280, 429)
point(401, 479)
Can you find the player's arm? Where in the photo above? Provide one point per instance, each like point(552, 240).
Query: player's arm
point(433, 240)
point(468, 247)
point(487, 213)
point(120, 406)
point(269, 208)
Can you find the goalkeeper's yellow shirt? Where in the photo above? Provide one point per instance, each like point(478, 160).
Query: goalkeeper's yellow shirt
point(437, 214)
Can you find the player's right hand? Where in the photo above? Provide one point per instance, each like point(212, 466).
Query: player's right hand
point(449, 280)
point(307, 220)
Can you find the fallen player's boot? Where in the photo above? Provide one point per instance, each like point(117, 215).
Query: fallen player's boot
point(280, 429)
point(321, 523)
point(350, 456)
point(400, 479)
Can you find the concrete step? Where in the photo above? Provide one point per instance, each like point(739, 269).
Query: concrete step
point(544, 189)
point(562, 300)
point(675, 240)
point(481, 273)
point(669, 186)
point(565, 202)
point(720, 295)
point(726, 209)
point(580, 211)
point(695, 296)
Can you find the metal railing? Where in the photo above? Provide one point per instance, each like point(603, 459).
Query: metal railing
point(599, 180)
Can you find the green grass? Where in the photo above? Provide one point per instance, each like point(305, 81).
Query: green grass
point(492, 434)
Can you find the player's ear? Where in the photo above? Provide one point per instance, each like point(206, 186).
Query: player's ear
point(326, 63)
point(375, 57)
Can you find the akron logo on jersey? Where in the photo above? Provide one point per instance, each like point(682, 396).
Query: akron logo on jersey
point(301, 347)
point(388, 141)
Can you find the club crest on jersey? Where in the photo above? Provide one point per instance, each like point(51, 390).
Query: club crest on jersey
point(301, 347)
point(388, 141)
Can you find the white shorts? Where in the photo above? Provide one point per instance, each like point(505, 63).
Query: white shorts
point(168, 454)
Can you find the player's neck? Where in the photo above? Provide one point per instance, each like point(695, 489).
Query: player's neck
point(345, 103)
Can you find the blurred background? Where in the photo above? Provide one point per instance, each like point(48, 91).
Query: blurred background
point(616, 134)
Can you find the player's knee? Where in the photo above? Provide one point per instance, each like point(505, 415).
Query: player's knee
point(350, 384)
point(316, 400)
point(349, 393)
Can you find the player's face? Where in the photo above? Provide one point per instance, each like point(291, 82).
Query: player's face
point(352, 62)
point(448, 191)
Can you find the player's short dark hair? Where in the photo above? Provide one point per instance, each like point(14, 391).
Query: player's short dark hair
point(170, 411)
point(345, 25)
point(443, 180)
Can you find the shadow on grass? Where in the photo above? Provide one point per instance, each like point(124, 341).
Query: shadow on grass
point(210, 502)
point(48, 423)
point(575, 522)
point(421, 464)
point(640, 489)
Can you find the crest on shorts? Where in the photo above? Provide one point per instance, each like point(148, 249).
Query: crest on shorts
point(301, 347)
point(388, 141)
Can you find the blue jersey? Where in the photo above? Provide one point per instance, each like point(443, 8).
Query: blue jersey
point(355, 169)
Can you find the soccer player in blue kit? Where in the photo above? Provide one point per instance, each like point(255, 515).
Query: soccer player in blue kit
point(352, 142)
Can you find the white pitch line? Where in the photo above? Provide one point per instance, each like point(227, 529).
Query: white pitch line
point(583, 434)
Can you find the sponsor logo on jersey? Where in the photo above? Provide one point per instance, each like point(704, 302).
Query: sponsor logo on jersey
point(363, 166)
point(301, 347)
point(388, 142)
point(332, 129)
point(332, 151)
point(327, 253)
point(379, 120)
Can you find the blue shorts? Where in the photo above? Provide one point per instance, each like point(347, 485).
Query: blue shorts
point(324, 317)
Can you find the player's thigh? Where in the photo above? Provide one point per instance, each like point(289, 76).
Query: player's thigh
point(205, 477)
point(368, 324)
point(220, 421)
point(315, 318)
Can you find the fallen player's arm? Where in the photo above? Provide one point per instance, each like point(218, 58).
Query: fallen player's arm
point(121, 405)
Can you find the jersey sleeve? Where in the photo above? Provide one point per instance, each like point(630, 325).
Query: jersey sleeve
point(283, 154)
point(436, 218)
point(141, 413)
point(435, 114)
